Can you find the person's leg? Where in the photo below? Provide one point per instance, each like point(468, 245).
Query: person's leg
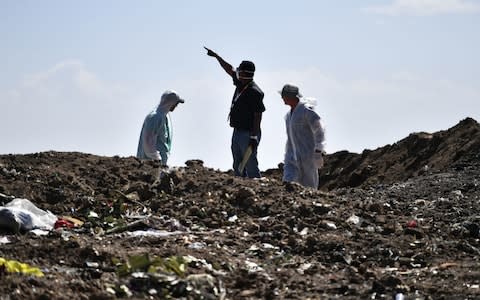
point(252, 163)
point(238, 149)
point(240, 143)
point(290, 172)
point(309, 174)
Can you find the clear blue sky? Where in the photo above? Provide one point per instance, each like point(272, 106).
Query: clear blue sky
point(82, 75)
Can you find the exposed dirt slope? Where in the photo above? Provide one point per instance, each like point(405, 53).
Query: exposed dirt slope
point(223, 237)
point(414, 155)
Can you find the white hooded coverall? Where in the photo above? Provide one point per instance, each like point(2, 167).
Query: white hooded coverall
point(305, 135)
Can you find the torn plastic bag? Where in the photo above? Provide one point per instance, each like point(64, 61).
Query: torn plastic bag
point(21, 215)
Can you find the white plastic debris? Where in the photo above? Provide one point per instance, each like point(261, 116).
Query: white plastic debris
point(12, 172)
point(269, 246)
point(4, 240)
point(91, 264)
point(253, 267)
point(152, 292)
point(92, 214)
point(40, 232)
point(23, 215)
point(331, 225)
point(399, 296)
point(154, 233)
point(304, 231)
point(197, 245)
point(304, 267)
point(355, 220)
point(457, 193)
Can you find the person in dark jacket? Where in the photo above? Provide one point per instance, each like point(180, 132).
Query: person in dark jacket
point(245, 115)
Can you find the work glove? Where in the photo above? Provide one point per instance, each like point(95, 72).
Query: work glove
point(253, 142)
point(210, 52)
point(318, 158)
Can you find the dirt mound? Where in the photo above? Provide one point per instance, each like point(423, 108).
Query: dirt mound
point(416, 154)
point(194, 232)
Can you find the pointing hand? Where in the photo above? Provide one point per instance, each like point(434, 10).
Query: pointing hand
point(210, 52)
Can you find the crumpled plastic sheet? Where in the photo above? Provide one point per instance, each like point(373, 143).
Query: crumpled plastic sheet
point(21, 215)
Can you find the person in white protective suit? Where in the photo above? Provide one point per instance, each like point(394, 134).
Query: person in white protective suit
point(156, 136)
point(305, 139)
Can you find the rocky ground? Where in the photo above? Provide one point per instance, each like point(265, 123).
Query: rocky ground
point(401, 220)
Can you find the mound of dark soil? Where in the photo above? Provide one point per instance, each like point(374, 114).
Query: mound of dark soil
point(198, 233)
point(416, 154)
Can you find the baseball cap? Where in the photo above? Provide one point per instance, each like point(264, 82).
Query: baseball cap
point(247, 66)
point(290, 90)
point(170, 95)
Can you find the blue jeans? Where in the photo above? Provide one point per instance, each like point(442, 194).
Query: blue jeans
point(240, 142)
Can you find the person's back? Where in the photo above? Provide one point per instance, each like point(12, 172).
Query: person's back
point(148, 136)
point(300, 122)
point(156, 135)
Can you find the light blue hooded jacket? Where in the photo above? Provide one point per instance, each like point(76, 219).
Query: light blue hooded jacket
point(156, 136)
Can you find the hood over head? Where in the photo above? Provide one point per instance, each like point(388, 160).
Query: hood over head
point(168, 100)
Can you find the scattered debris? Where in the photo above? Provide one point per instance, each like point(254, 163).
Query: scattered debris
point(199, 233)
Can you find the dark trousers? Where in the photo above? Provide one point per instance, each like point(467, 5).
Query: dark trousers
point(240, 142)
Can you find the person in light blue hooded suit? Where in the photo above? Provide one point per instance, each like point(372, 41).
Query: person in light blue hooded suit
point(305, 145)
point(156, 136)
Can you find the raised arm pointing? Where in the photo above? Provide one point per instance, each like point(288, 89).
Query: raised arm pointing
point(225, 65)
